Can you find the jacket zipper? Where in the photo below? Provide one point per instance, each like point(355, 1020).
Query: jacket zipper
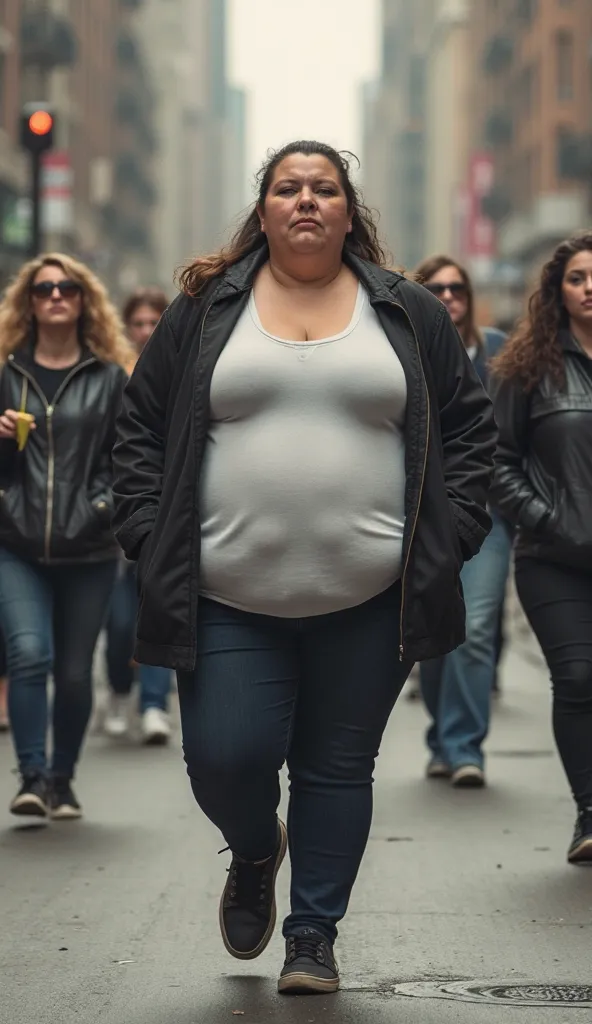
point(423, 472)
point(49, 410)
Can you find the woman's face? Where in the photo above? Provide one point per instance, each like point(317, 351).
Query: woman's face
point(141, 325)
point(448, 286)
point(305, 210)
point(576, 289)
point(60, 305)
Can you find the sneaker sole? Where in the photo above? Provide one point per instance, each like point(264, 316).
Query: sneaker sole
point(306, 984)
point(470, 780)
point(582, 853)
point(253, 954)
point(66, 813)
point(29, 807)
point(156, 739)
point(438, 772)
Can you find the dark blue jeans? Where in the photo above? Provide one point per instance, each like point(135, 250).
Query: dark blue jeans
point(51, 617)
point(120, 627)
point(315, 692)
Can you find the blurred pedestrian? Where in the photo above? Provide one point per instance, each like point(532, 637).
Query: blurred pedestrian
point(63, 351)
point(301, 469)
point(543, 484)
point(141, 313)
point(457, 689)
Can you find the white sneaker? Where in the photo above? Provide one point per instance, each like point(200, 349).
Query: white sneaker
point(156, 730)
point(116, 722)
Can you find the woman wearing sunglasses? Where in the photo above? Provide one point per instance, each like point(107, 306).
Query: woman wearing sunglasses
point(141, 313)
point(457, 689)
point(63, 351)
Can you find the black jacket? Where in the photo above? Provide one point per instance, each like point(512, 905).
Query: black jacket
point(543, 475)
point(449, 444)
point(56, 502)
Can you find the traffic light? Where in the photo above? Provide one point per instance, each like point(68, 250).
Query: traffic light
point(37, 125)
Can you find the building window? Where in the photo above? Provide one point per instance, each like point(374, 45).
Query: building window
point(527, 91)
point(564, 49)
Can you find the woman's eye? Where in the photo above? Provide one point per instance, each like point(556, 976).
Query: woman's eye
point(288, 189)
point(326, 191)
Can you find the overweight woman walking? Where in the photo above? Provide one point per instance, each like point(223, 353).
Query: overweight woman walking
point(543, 484)
point(303, 459)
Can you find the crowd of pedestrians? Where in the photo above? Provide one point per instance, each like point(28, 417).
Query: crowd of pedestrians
point(312, 477)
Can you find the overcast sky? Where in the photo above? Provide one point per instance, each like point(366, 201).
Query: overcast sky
point(302, 62)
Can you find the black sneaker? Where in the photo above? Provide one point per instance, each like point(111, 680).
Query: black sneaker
point(32, 798)
point(247, 908)
point(63, 802)
point(310, 965)
point(580, 851)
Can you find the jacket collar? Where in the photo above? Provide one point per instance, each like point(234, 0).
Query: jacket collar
point(379, 283)
point(24, 356)
point(569, 343)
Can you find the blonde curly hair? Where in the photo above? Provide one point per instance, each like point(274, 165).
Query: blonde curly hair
point(100, 324)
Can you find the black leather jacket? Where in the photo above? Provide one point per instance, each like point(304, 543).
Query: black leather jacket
point(55, 498)
point(162, 432)
point(543, 476)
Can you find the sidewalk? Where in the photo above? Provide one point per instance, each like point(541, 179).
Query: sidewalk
point(114, 920)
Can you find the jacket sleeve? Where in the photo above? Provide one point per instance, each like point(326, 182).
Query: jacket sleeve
point(468, 433)
point(512, 492)
point(138, 456)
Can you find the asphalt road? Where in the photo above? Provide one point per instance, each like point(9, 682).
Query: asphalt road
point(113, 920)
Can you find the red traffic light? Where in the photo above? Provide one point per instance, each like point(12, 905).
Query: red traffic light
point(40, 122)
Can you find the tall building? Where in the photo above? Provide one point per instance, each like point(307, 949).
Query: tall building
point(98, 188)
point(200, 117)
point(394, 112)
point(447, 132)
point(13, 166)
point(531, 114)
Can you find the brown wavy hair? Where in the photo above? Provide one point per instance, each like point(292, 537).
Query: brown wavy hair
point(100, 325)
point(534, 349)
point(363, 240)
point(150, 296)
point(423, 273)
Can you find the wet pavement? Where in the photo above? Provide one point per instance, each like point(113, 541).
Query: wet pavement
point(113, 920)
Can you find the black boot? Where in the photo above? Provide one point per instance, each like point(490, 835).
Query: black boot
point(580, 851)
point(64, 805)
point(247, 908)
point(32, 799)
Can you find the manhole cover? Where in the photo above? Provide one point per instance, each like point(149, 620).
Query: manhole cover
point(505, 994)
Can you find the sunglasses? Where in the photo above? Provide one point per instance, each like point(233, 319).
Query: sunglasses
point(456, 288)
point(44, 289)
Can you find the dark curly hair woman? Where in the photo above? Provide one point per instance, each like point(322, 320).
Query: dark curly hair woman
point(543, 483)
point(302, 468)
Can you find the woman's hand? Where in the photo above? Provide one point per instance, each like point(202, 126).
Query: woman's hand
point(8, 422)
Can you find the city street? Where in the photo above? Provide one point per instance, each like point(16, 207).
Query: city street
point(114, 919)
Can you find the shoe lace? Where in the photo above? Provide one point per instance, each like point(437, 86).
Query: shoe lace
point(308, 946)
point(247, 884)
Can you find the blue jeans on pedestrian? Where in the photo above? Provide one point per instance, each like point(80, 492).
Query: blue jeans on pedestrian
point(120, 627)
point(51, 616)
point(315, 692)
point(457, 688)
